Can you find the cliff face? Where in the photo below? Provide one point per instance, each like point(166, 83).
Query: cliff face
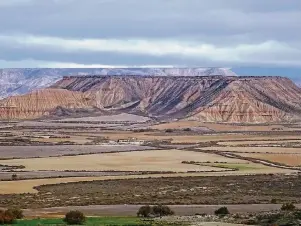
point(41, 103)
point(17, 81)
point(210, 98)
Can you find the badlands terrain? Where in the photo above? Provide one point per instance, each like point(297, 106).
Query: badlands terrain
point(108, 144)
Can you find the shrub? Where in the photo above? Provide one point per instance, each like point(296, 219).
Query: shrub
point(187, 129)
point(288, 207)
point(222, 211)
point(162, 210)
point(144, 211)
point(6, 217)
point(169, 131)
point(16, 212)
point(14, 177)
point(75, 217)
point(274, 201)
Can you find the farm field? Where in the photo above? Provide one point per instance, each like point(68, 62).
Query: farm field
point(222, 127)
point(90, 221)
point(275, 150)
point(194, 138)
point(287, 159)
point(154, 160)
point(234, 189)
point(60, 150)
point(259, 142)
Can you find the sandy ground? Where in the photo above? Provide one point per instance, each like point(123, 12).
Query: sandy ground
point(131, 210)
point(153, 160)
point(58, 150)
point(288, 159)
point(256, 149)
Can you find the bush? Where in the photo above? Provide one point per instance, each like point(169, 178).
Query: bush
point(274, 201)
point(288, 207)
point(17, 213)
point(187, 129)
point(75, 217)
point(144, 211)
point(162, 210)
point(6, 217)
point(222, 211)
point(169, 131)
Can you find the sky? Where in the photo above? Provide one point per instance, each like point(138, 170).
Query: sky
point(253, 37)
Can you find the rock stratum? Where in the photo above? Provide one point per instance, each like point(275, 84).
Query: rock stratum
point(228, 99)
point(17, 81)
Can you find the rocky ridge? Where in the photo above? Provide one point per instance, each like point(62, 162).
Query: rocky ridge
point(205, 98)
point(23, 80)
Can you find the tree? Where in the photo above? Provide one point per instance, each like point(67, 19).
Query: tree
point(162, 210)
point(288, 207)
point(222, 211)
point(144, 211)
point(74, 217)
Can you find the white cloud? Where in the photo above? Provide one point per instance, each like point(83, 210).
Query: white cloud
point(269, 51)
point(52, 64)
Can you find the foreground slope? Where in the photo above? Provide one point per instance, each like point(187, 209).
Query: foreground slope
point(210, 98)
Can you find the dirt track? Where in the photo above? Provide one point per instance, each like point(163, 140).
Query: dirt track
point(131, 210)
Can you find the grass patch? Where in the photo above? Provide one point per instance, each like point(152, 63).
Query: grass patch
point(118, 221)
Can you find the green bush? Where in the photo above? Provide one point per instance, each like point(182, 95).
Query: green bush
point(222, 211)
point(74, 217)
point(288, 207)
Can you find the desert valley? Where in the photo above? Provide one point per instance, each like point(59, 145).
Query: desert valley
point(108, 144)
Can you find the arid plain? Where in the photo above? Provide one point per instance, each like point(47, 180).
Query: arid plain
point(36, 158)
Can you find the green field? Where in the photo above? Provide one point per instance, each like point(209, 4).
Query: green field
point(118, 221)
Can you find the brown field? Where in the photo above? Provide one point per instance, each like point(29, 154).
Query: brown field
point(220, 127)
point(257, 142)
point(28, 186)
point(248, 189)
point(255, 149)
point(182, 138)
point(157, 160)
point(59, 150)
point(287, 159)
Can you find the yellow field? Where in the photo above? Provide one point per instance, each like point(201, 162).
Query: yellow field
point(256, 149)
point(158, 160)
point(288, 159)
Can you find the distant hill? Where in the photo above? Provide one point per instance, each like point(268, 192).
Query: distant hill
point(207, 98)
point(21, 81)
